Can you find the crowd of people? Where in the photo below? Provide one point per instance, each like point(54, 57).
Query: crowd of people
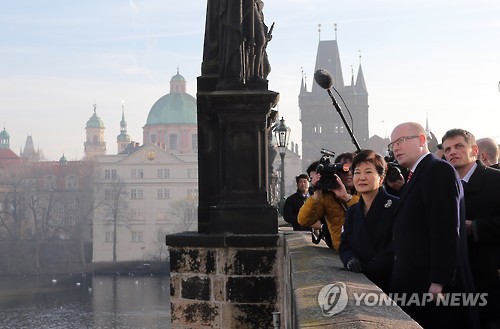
point(432, 230)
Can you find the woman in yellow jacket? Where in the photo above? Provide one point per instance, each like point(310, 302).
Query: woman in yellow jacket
point(331, 204)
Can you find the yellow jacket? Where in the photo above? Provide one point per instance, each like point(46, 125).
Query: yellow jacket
point(330, 207)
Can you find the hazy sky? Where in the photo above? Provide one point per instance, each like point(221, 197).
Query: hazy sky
point(439, 59)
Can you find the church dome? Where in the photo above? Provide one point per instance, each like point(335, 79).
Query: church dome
point(95, 121)
point(4, 134)
point(62, 160)
point(176, 107)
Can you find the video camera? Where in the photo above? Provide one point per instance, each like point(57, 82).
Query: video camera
point(328, 171)
point(393, 168)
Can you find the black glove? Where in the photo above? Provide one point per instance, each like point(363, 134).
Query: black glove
point(354, 265)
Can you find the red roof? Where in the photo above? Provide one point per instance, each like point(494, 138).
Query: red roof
point(7, 156)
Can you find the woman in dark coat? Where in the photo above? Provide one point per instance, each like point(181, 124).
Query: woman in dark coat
point(366, 240)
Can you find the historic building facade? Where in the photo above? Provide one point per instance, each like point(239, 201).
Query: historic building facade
point(150, 190)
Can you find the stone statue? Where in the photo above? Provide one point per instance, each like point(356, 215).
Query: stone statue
point(235, 44)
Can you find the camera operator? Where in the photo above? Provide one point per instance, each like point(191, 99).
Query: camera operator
point(331, 203)
point(396, 175)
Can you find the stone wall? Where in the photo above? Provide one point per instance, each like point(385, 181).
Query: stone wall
point(217, 282)
point(309, 268)
point(238, 281)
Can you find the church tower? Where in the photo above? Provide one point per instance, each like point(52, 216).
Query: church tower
point(95, 144)
point(322, 125)
point(123, 139)
point(29, 153)
point(172, 121)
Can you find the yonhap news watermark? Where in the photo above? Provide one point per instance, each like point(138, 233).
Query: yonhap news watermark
point(334, 298)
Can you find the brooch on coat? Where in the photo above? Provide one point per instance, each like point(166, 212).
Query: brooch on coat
point(388, 203)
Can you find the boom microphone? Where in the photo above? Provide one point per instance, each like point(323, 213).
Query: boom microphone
point(323, 78)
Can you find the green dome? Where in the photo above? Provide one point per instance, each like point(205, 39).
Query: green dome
point(123, 137)
point(176, 107)
point(177, 77)
point(173, 108)
point(4, 134)
point(62, 160)
point(95, 121)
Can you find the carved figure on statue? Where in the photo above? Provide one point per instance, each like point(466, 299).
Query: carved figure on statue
point(235, 44)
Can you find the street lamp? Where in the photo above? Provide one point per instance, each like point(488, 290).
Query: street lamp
point(282, 133)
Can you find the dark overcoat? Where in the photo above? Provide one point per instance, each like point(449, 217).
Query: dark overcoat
point(430, 244)
point(369, 238)
point(482, 207)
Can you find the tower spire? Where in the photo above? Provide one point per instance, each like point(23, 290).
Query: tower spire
point(123, 139)
point(319, 32)
point(302, 82)
point(335, 28)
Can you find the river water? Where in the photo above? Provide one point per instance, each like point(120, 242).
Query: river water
point(84, 301)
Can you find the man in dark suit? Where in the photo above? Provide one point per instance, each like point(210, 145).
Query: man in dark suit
point(482, 208)
point(295, 201)
point(429, 239)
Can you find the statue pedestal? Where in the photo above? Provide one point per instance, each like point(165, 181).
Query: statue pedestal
point(233, 140)
point(224, 280)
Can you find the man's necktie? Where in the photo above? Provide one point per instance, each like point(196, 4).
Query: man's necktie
point(409, 176)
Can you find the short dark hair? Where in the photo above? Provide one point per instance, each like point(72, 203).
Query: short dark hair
point(301, 176)
point(373, 157)
point(346, 155)
point(312, 167)
point(468, 136)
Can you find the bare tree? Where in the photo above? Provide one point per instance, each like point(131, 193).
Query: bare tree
point(116, 207)
point(185, 211)
point(12, 210)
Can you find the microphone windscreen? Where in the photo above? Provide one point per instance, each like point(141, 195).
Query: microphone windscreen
point(323, 78)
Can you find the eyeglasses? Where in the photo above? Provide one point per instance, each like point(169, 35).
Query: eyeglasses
point(400, 141)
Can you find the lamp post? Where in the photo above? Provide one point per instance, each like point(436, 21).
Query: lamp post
point(282, 133)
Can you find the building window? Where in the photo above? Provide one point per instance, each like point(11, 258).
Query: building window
point(163, 173)
point(49, 182)
point(136, 194)
point(137, 173)
point(110, 174)
point(137, 214)
point(71, 182)
point(137, 237)
point(194, 141)
point(59, 207)
point(71, 204)
point(109, 237)
point(70, 220)
point(173, 143)
point(108, 194)
point(163, 193)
